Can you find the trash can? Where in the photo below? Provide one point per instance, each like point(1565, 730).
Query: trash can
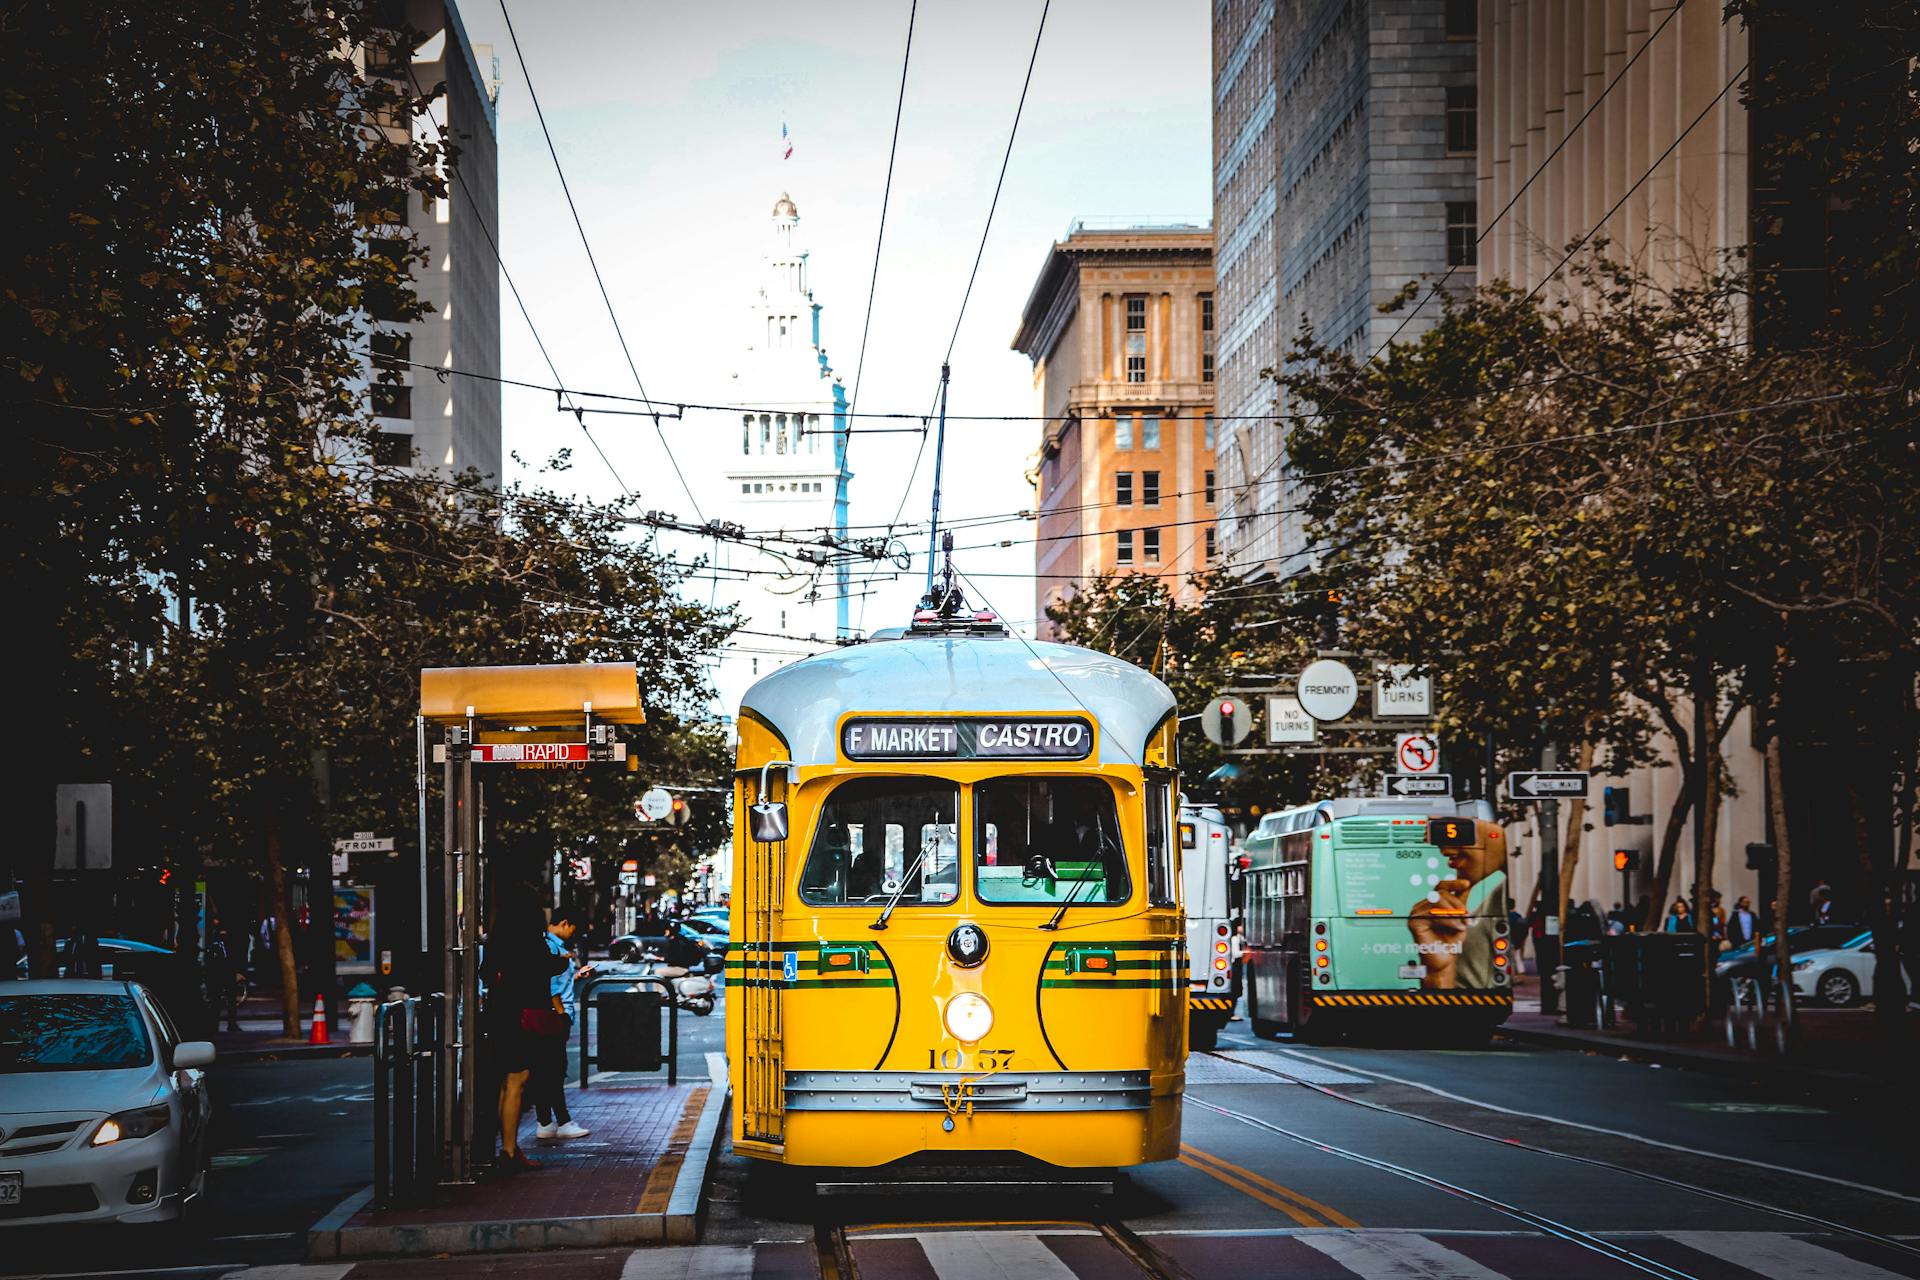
point(1581, 963)
point(361, 1002)
point(1673, 973)
point(629, 1024)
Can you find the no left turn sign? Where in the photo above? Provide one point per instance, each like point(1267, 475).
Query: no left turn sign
point(1417, 753)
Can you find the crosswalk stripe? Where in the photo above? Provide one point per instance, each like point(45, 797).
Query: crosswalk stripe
point(1395, 1255)
point(1779, 1256)
point(992, 1255)
point(298, 1271)
point(707, 1262)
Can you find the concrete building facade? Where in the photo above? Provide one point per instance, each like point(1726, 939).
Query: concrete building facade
point(1120, 329)
point(446, 425)
point(1543, 64)
point(1344, 140)
point(790, 473)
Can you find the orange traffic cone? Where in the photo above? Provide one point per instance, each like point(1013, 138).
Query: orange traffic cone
point(321, 1033)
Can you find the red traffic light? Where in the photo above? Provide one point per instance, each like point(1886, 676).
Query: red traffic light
point(1226, 707)
point(1623, 859)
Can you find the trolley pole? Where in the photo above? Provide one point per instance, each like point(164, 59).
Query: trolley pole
point(939, 458)
point(1547, 951)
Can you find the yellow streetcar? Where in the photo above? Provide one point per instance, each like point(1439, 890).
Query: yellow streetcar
point(956, 918)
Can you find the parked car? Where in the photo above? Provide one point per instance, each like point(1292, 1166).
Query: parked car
point(104, 1109)
point(1740, 962)
point(176, 984)
point(1840, 976)
point(718, 915)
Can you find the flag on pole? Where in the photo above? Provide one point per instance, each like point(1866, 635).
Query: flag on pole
point(786, 142)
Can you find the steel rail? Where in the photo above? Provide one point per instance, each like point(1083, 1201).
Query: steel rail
point(1539, 1222)
point(1725, 1197)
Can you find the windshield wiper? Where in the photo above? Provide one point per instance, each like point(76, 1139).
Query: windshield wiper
point(1086, 874)
point(894, 901)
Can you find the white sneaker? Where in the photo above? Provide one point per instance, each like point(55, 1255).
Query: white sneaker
point(571, 1130)
point(546, 1131)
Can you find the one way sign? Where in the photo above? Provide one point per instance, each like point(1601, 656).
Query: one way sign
point(1419, 784)
point(1546, 786)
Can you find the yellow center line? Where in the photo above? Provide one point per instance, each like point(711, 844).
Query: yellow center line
point(1211, 1162)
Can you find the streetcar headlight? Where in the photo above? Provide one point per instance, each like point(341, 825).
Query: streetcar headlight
point(969, 1017)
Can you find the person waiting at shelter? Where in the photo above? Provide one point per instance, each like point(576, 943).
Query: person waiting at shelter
point(549, 1074)
point(518, 970)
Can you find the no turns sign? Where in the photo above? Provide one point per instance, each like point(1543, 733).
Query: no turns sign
point(1417, 753)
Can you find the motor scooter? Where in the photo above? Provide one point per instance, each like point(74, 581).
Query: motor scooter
point(691, 991)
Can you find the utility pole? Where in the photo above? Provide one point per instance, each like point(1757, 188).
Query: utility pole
point(1547, 951)
point(939, 459)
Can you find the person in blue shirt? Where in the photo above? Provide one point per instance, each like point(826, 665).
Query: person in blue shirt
point(550, 1071)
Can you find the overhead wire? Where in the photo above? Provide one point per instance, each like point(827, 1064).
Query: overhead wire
point(593, 262)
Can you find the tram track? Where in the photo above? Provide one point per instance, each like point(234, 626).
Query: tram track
point(1539, 1222)
point(1710, 1193)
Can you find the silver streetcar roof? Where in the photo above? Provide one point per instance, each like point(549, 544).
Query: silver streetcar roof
point(960, 675)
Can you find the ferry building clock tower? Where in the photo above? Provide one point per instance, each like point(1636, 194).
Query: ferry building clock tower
point(790, 471)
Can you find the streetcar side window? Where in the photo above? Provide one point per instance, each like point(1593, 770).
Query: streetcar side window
point(878, 834)
point(1161, 875)
point(1064, 830)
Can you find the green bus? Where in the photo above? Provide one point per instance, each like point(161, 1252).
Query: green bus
point(1377, 911)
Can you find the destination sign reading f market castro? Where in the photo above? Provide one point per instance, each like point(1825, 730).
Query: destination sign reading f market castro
point(966, 738)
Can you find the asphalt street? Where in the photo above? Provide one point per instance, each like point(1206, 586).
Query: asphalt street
point(1325, 1162)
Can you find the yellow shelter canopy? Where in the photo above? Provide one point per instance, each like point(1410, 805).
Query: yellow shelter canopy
point(542, 697)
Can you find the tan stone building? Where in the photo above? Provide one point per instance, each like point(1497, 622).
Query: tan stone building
point(1120, 330)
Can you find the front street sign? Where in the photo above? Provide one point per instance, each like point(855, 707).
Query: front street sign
point(1419, 784)
point(1546, 786)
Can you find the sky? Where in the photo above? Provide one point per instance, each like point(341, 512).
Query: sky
point(667, 119)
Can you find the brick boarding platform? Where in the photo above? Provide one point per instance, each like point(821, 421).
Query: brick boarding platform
point(636, 1178)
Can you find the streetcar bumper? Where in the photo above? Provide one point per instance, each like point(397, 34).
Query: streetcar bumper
point(1073, 1119)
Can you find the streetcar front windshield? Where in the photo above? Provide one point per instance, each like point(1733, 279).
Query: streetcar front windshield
point(1044, 840)
point(870, 844)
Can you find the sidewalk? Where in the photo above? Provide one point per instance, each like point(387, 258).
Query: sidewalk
point(1837, 1045)
point(638, 1178)
point(259, 1037)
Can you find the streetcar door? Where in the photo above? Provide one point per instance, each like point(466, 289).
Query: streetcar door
point(760, 896)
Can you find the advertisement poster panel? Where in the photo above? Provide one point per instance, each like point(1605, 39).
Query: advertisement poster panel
point(353, 929)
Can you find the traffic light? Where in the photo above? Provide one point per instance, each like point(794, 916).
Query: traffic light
point(681, 814)
point(1761, 856)
point(1616, 806)
point(1626, 860)
point(1227, 720)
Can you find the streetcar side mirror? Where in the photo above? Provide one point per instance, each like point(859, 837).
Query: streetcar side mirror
point(767, 821)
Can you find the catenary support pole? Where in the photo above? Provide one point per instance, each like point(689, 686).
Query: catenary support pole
point(1547, 953)
point(939, 460)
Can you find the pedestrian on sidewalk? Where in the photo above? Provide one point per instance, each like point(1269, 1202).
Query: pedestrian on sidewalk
point(1679, 918)
point(549, 1077)
point(1744, 922)
point(1236, 954)
point(518, 969)
point(1517, 935)
point(225, 976)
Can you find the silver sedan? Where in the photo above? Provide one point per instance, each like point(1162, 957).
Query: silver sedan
point(104, 1110)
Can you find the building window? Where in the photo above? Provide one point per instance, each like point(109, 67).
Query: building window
point(1136, 337)
point(1150, 544)
point(1213, 544)
point(1123, 433)
point(1206, 337)
point(391, 350)
point(1150, 432)
point(1123, 547)
point(1150, 488)
point(1461, 229)
point(392, 400)
point(1210, 494)
point(1206, 433)
point(745, 487)
point(393, 449)
point(1463, 107)
point(1123, 488)
point(1463, 19)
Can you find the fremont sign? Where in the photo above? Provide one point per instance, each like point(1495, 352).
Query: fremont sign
point(1328, 689)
